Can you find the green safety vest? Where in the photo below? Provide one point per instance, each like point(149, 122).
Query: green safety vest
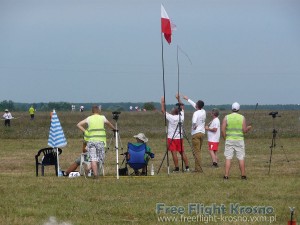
point(234, 129)
point(95, 131)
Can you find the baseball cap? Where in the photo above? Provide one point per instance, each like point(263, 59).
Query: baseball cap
point(235, 106)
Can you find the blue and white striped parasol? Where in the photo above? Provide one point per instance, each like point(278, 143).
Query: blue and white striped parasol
point(56, 137)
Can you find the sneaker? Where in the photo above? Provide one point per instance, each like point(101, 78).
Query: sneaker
point(215, 164)
point(187, 170)
point(225, 177)
point(243, 177)
point(175, 171)
point(64, 173)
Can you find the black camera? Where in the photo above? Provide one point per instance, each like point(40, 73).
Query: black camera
point(179, 106)
point(116, 115)
point(273, 114)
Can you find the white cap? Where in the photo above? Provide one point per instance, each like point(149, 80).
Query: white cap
point(235, 106)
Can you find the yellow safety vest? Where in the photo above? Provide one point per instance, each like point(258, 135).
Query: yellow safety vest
point(234, 129)
point(95, 131)
point(31, 110)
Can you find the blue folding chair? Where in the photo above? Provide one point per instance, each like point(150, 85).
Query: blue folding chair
point(136, 156)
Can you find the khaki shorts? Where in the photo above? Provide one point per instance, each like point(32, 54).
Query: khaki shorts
point(234, 146)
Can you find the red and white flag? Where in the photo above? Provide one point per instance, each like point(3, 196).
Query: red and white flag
point(166, 28)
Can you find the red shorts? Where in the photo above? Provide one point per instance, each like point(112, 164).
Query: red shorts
point(213, 146)
point(175, 145)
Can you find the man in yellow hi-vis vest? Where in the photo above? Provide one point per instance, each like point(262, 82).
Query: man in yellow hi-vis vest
point(233, 129)
point(31, 112)
point(95, 136)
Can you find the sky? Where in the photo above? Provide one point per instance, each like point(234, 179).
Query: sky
point(111, 51)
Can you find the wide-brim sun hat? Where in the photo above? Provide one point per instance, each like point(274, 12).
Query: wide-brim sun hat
point(141, 136)
point(235, 106)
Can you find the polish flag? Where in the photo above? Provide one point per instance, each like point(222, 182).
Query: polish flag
point(166, 25)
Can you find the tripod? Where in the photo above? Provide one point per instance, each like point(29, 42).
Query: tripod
point(117, 139)
point(179, 128)
point(273, 142)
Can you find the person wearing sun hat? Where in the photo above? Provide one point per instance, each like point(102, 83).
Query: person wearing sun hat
point(233, 129)
point(141, 139)
point(7, 117)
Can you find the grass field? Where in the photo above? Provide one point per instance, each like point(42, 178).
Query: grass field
point(27, 199)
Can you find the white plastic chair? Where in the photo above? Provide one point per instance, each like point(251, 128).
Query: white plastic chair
point(84, 163)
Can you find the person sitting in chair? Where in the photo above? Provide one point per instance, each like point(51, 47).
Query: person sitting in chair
point(75, 164)
point(141, 139)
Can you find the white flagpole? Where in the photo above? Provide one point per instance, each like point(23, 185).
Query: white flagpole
point(117, 151)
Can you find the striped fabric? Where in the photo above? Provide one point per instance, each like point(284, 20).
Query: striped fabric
point(56, 134)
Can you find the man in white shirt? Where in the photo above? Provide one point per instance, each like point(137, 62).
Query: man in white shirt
point(198, 130)
point(175, 135)
point(7, 117)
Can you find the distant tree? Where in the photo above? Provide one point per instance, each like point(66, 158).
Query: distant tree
point(149, 106)
point(7, 105)
point(63, 106)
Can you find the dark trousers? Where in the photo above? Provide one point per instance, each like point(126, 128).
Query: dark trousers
point(7, 123)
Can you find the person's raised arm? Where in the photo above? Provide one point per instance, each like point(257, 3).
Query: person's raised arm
point(179, 101)
point(190, 101)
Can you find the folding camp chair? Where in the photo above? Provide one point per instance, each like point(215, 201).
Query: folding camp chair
point(137, 156)
point(84, 162)
point(49, 158)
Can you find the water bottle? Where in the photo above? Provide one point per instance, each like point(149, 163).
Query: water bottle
point(152, 170)
point(60, 172)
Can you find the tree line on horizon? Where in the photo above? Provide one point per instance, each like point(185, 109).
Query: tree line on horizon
point(129, 106)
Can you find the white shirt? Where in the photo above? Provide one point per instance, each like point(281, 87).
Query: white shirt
point(7, 116)
point(173, 129)
point(198, 120)
point(214, 136)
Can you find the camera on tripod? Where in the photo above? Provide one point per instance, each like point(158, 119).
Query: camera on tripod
point(273, 114)
point(116, 115)
point(179, 106)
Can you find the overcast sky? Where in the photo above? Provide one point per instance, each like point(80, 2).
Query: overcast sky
point(110, 51)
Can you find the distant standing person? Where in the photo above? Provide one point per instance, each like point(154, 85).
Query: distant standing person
point(95, 136)
point(233, 129)
point(81, 108)
point(198, 130)
point(7, 117)
point(31, 112)
point(213, 136)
